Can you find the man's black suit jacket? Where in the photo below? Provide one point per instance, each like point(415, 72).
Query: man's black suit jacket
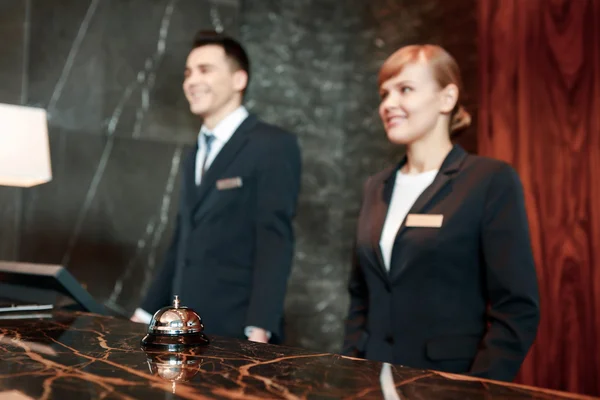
point(232, 249)
point(460, 298)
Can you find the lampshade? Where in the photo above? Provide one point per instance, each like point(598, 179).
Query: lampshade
point(24, 147)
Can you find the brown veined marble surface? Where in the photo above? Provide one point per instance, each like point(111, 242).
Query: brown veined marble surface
point(79, 356)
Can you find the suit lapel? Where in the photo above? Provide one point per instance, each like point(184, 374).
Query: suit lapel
point(225, 157)
point(189, 176)
point(448, 169)
point(380, 208)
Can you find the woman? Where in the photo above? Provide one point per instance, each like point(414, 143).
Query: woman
point(443, 276)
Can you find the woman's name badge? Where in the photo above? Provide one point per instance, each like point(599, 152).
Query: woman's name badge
point(424, 220)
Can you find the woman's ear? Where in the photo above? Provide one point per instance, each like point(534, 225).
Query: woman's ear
point(449, 98)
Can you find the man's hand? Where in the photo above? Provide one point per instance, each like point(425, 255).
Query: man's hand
point(258, 335)
point(135, 318)
point(141, 317)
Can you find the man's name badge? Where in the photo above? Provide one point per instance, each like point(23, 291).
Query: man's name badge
point(229, 183)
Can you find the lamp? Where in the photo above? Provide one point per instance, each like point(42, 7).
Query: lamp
point(24, 147)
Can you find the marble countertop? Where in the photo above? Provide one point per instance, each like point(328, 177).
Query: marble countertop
point(79, 356)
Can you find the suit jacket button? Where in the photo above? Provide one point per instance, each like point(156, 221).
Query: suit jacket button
point(389, 339)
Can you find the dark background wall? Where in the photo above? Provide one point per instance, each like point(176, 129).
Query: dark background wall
point(316, 74)
point(109, 73)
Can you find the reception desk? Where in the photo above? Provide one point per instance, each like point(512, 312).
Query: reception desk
point(66, 355)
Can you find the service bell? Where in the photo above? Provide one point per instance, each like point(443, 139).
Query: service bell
point(174, 328)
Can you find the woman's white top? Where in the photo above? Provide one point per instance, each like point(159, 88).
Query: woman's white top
point(407, 190)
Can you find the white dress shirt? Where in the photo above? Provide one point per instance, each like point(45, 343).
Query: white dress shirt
point(407, 190)
point(222, 133)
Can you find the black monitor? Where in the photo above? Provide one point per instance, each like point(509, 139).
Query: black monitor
point(39, 283)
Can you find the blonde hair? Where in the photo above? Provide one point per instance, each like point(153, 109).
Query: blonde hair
point(445, 71)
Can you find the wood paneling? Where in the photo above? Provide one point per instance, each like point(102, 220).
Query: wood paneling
point(540, 111)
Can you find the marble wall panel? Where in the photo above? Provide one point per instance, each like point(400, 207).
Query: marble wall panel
point(110, 73)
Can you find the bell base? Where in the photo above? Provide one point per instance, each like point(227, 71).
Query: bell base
point(174, 342)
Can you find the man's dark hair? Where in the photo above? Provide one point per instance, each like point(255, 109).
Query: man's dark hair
point(233, 49)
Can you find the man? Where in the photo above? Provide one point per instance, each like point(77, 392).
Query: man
point(232, 249)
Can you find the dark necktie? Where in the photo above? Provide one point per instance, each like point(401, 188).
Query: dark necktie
point(208, 141)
